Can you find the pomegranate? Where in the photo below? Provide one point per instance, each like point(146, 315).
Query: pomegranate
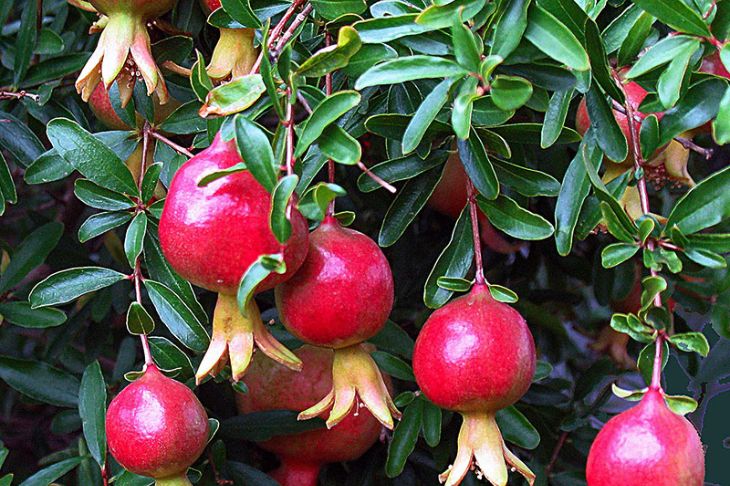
point(449, 198)
point(124, 49)
point(476, 355)
point(101, 106)
point(156, 427)
point(211, 235)
point(302, 455)
point(648, 444)
point(234, 54)
point(341, 296)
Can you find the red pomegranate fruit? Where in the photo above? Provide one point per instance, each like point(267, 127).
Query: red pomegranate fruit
point(647, 445)
point(124, 49)
point(211, 235)
point(475, 356)
point(302, 455)
point(341, 296)
point(156, 427)
point(234, 54)
point(449, 198)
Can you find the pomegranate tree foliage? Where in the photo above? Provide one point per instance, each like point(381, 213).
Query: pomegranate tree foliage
point(499, 82)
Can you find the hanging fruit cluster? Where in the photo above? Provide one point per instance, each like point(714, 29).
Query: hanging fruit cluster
point(540, 194)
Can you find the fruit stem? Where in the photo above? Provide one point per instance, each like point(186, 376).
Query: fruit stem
point(137, 263)
point(635, 143)
point(330, 162)
point(471, 196)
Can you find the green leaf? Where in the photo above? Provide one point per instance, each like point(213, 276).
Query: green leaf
point(646, 360)
point(478, 167)
point(629, 395)
point(599, 64)
point(89, 156)
point(199, 80)
point(510, 92)
point(40, 381)
point(691, 342)
point(100, 223)
point(255, 274)
point(333, 57)
point(705, 205)
point(19, 140)
point(604, 126)
point(677, 15)
point(399, 169)
point(670, 81)
point(30, 253)
point(529, 133)
point(262, 426)
point(526, 181)
point(431, 422)
point(680, 404)
point(21, 314)
point(454, 261)
point(466, 50)
point(241, 12)
point(440, 15)
point(72, 283)
point(555, 117)
point(721, 125)
point(617, 253)
point(705, 258)
point(332, 9)
point(619, 28)
point(177, 316)
point(393, 366)
point(7, 186)
point(386, 29)
point(517, 429)
point(503, 294)
point(649, 136)
point(255, 149)
point(326, 113)
point(698, 106)
point(51, 473)
point(454, 284)
point(406, 206)
point(150, 180)
point(47, 168)
point(313, 204)
point(185, 119)
point(573, 192)
point(24, 42)
point(135, 238)
point(219, 174)
point(394, 339)
point(338, 145)
point(169, 357)
point(510, 28)
point(404, 439)
point(505, 214)
point(661, 53)
point(553, 38)
point(409, 68)
point(368, 56)
point(139, 321)
point(425, 115)
point(278, 220)
point(233, 97)
point(92, 410)
point(463, 104)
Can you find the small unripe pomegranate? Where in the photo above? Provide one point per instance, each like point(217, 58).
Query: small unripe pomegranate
point(102, 108)
point(648, 444)
point(302, 455)
point(449, 198)
point(475, 356)
point(124, 48)
point(341, 296)
point(212, 234)
point(156, 427)
point(234, 54)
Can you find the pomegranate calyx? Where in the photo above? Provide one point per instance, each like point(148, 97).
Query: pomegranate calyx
point(355, 376)
point(234, 335)
point(180, 480)
point(480, 444)
point(234, 54)
point(124, 53)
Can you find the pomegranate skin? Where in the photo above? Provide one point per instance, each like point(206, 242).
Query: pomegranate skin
point(210, 5)
point(647, 445)
point(211, 235)
point(102, 108)
point(156, 426)
point(275, 387)
point(342, 294)
point(474, 354)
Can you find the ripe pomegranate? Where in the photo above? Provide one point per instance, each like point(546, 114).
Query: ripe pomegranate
point(234, 54)
point(476, 356)
point(101, 106)
point(156, 427)
point(124, 49)
point(341, 296)
point(449, 198)
point(648, 444)
point(211, 235)
point(302, 455)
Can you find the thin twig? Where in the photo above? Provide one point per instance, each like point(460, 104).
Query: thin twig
point(276, 51)
point(274, 34)
point(137, 275)
point(177, 69)
point(556, 452)
point(172, 144)
point(13, 95)
point(381, 182)
point(471, 195)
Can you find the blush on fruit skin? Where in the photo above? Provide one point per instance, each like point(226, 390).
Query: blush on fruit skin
point(102, 108)
point(342, 294)
point(474, 354)
point(212, 234)
point(156, 426)
point(647, 445)
point(274, 387)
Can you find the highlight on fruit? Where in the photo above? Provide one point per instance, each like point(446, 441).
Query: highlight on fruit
point(319, 243)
